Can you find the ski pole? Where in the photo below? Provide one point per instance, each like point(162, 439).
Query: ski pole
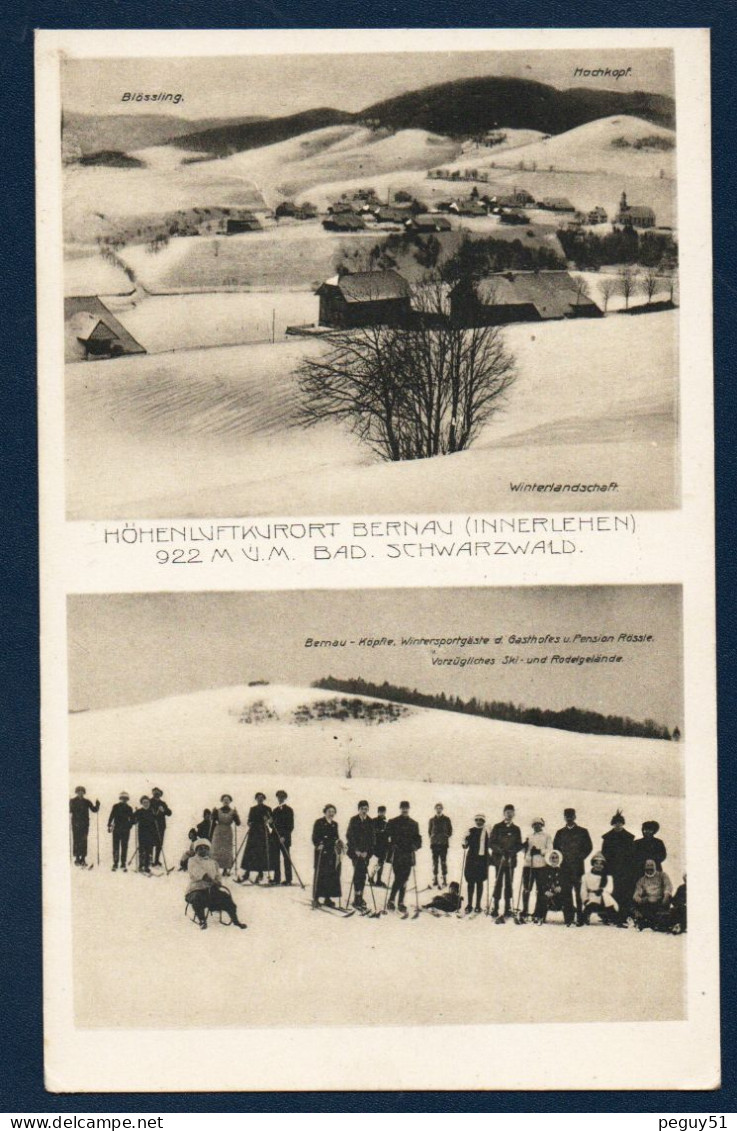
point(417, 894)
point(134, 854)
point(373, 897)
point(289, 858)
point(350, 893)
point(237, 854)
point(388, 886)
point(463, 872)
point(97, 828)
point(71, 839)
point(315, 876)
point(266, 843)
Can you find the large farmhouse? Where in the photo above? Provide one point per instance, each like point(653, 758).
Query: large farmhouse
point(91, 330)
point(367, 298)
point(520, 296)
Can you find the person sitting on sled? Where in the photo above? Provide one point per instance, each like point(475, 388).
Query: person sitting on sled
point(597, 887)
point(206, 891)
point(653, 892)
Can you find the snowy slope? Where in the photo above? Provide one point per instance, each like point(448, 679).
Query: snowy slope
point(201, 733)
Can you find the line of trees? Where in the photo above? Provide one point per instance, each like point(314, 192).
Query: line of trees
point(575, 719)
point(590, 251)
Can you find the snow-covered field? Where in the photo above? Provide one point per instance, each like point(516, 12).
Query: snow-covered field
point(135, 952)
point(209, 431)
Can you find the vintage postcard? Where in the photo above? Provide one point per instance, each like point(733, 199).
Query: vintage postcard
point(378, 658)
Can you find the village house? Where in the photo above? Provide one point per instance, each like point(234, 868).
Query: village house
point(597, 215)
point(93, 331)
point(246, 222)
point(557, 204)
point(635, 215)
point(429, 222)
point(366, 298)
point(520, 296)
point(516, 199)
point(343, 222)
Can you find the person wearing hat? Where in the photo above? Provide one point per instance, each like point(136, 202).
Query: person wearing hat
point(651, 901)
point(258, 853)
point(161, 811)
point(283, 822)
point(439, 831)
point(506, 843)
point(224, 819)
point(403, 841)
point(80, 808)
point(536, 847)
point(648, 847)
point(597, 889)
point(119, 823)
point(618, 848)
point(206, 891)
point(329, 850)
point(144, 819)
point(360, 839)
point(380, 824)
point(476, 868)
point(574, 843)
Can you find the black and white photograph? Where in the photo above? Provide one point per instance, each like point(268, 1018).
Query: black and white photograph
point(430, 279)
point(304, 809)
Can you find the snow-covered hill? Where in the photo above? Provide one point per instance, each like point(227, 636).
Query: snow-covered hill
point(204, 732)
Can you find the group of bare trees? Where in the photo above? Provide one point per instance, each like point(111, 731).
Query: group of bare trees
point(421, 389)
point(628, 282)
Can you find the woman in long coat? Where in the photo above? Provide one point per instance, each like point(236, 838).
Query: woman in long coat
point(224, 821)
point(617, 845)
point(329, 850)
point(476, 870)
point(258, 855)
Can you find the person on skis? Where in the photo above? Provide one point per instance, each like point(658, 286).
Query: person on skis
point(536, 847)
point(476, 868)
point(439, 831)
point(380, 824)
point(258, 855)
point(574, 843)
point(145, 821)
point(282, 820)
point(206, 891)
point(80, 808)
point(505, 843)
point(329, 849)
point(597, 892)
point(360, 838)
point(119, 823)
point(403, 841)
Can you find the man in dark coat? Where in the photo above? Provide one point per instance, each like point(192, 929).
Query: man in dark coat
point(574, 844)
point(649, 847)
point(161, 811)
point(282, 820)
point(403, 840)
point(505, 843)
point(119, 824)
point(617, 847)
point(439, 831)
point(80, 808)
point(360, 839)
point(145, 821)
point(380, 845)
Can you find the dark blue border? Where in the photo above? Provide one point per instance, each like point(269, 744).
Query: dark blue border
point(20, 977)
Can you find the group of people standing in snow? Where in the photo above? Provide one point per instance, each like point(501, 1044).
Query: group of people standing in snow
point(622, 883)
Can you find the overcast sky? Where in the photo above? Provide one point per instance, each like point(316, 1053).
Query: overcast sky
point(285, 84)
point(133, 648)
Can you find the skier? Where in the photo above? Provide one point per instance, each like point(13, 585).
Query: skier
point(536, 847)
point(551, 896)
point(80, 808)
point(439, 831)
point(119, 823)
point(574, 843)
point(448, 902)
point(329, 849)
point(204, 828)
point(206, 891)
point(161, 811)
point(360, 838)
point(258, 853)
point(403, 840)
point(476, 870)
point(618, 848)
point(505, 843)
point(380, 845)
point(223, 819)
point(649, 847)
point(597, 887)
point(283, 821)
point(678, 918)
point(145, 821)
point(653, 893)
point(188, 853)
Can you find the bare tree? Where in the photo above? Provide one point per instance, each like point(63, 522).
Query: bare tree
point(650, 282)
point(413, 391)
point(607, 288)
point(627, 282)
point(581, 289)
